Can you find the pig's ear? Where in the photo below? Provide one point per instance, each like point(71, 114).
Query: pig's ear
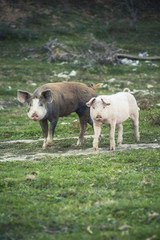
point(91, 101)
point(48, 96)
point(23, 96)
point(104, 102)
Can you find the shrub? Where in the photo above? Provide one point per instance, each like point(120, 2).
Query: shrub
point(7, 32)
point(154, 117)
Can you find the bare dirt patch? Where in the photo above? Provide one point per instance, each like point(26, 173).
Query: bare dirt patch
point(10, 156)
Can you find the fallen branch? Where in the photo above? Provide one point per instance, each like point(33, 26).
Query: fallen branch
point(120, 55)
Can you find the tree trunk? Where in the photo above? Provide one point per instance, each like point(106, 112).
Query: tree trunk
point(155, 58)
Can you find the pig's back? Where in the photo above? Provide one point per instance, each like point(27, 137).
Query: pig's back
point(126, 105)
point(69, 89)
point(69, 97)
point(122, 104)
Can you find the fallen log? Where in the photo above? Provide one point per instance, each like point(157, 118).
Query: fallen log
point(120, 55)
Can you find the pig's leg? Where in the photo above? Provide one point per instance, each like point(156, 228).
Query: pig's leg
point(120, 133)
point(90, 121)
point(83, 126)
point(112, 136)
point(44, 126)
point(51, 132)
point(135, 121)
point(97, 132)
point(49, 138)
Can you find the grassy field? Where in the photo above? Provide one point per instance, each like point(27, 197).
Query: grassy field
point(85, 197)
point(96, 196)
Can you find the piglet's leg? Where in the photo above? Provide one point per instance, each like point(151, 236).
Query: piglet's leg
point(136, 126)
point(97, 132)
point(51, 132)
point(120, 133)
point(44, 126)
point(112, 136)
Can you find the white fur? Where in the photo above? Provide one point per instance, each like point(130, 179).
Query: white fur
point(35, 108)
point(113, 110)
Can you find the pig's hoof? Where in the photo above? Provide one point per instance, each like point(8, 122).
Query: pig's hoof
point(95, 148)
point(49, 143)
point(138, 139)
point(79, 143)
point(44, 147)
point(112, 148)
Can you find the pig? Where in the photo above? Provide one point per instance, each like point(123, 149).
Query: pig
point(113, 110)
point(54, 100)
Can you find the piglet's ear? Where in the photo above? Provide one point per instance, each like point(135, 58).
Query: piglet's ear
point(91, 101)
point(104, 102)
point(23, 96)
point(48, 96)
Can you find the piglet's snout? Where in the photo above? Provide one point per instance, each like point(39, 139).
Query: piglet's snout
point(35, 117)
point(98, 118)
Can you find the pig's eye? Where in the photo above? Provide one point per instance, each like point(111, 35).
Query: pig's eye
point(41, 104)
point(93, 107)
point(30, 104)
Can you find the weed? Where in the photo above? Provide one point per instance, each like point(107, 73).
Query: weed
point(154, 117)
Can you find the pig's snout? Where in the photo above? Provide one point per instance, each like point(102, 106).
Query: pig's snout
point(35, 117)
point(98, 118)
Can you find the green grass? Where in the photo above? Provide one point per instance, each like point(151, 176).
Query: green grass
point(98, 196)
point(89, 197)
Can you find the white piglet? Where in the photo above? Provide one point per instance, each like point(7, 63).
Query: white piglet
point(113, 110)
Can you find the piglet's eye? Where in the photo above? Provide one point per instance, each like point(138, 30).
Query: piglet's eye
point(93, 107)
point(41, 104)
point(30, 104)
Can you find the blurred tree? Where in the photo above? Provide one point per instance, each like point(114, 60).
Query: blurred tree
point(129, 9)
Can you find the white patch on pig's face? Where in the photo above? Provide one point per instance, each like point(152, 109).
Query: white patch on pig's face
point(98, 108)
point(36, 110)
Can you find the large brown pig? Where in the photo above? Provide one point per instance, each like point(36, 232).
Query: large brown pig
point(54, 100)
